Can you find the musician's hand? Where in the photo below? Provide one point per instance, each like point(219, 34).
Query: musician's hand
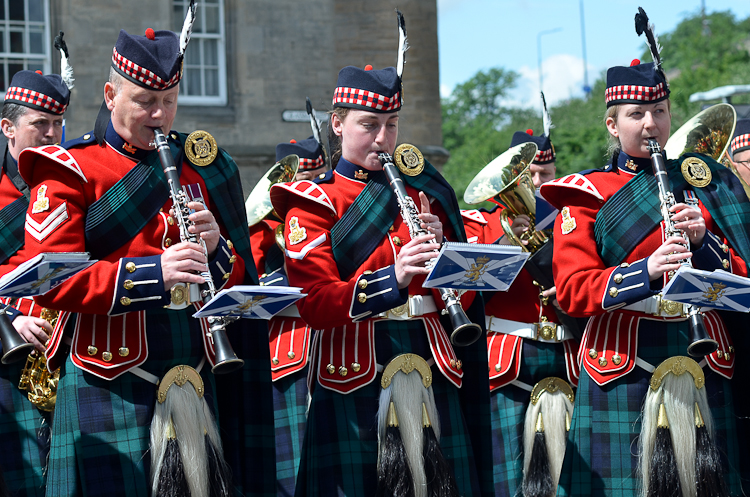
point(667, 257)
point(552, 292)
point(35, 331)
point(430, 222)
point(520, 226)
point(181, 263)
point(205, 226)
point(412, 257)
point(690, 220)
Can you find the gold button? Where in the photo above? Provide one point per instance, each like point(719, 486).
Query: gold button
point(161, 209)
point(174, 136)
point(602, 361)
point(618, 278)
point(725, 263)
point(92, 350)
point(168, 242)
point(107, 356)
point(291, 355)
point(453, 363)
point(362, 298)
point(725, 248)
point(613, 292)
point(130, 267)
point(264, 275)
point(128, 284)
point(275, 361)
point(123, 351)
point(356, 367)
point(362, 284)
point(331, 369)
point(719, 354)
point(593, 353)
point(726, 356)
point(459, 364)
point(624, 264)
point(616, 359)
point(731, 349)
point(170, 220)
point(86, 136)
point(230, 245)
point(343, 371)
point(397, 241)
point(497, 368)
point(233, 259)
point(391, 228)
point(124, 301)
point(321, 175)
point(367, 272)
point(226, 276)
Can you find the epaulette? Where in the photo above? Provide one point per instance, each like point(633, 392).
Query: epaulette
point(324, 178)
point(55, 153)
point(556, 192)
point(305, 189)
point(81, 140)
point(474, 215)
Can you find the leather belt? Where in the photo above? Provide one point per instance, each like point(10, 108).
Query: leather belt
point(417, 305)
point(542, 332)
point(657, 306)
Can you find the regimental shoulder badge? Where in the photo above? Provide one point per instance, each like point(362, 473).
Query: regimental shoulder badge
point(568, 221)
point(201, 148)
point(41, 203)
point(296, 233)
point(696, 172)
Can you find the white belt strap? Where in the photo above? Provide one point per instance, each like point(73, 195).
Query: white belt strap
point(648, 367)
point(656, 306)
point(526, 330)
point(417, 305)
point(152, 378)
point(430, 362)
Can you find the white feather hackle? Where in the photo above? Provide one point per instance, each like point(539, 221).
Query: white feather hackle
point(546, 119)
point(66, 71)
point(403, 44)
point(187, 27)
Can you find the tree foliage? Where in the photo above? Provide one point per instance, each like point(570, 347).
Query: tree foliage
point(478, 124)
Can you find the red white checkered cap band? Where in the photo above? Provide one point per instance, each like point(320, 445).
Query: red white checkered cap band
point(307, 164)
point(740, 141)
point(545, 156)
point(356, 96)
point(31, 97)
point(632, 92)
point(141, 74)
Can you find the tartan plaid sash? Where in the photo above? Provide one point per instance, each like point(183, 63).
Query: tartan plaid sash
point(362, 227)
point(12, 218)
point(633, 212)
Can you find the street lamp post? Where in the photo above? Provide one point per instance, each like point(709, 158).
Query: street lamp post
point(539, 52)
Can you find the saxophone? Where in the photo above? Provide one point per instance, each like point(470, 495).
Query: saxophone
point(36, 378)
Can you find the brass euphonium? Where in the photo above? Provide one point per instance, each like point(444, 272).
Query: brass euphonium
point(36, 378)
point(258, 204)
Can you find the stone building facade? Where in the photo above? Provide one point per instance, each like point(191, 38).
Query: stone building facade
point(276, 52)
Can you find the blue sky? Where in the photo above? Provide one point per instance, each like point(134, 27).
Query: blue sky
point(480, 34)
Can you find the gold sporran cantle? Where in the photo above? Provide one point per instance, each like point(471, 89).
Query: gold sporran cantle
point(507, 182)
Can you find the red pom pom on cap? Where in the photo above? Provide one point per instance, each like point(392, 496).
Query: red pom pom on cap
point(368, 67)
point(292, 141)
point(635, 62)
point(530, 132)
point(39, 73)
point(150, 34)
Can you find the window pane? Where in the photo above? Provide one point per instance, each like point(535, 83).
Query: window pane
point(36, 10)
point(212, 83)
point(16, 10)
point(16, 42)
point(210, 53)
point(193, 77)
point(2, 10)
point(212, 19)
point(13, 67)
point(36, 66)
point(3, 85)
point(193, 53)
point(178, 17)
point(211, 1)
point(36, 41)
point(2, 38)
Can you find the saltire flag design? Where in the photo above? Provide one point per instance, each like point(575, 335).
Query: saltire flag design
point(251, 301)
point(709, 289)
point(476, 266)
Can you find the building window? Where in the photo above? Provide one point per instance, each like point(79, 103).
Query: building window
point(24, 38)
point(204, 71)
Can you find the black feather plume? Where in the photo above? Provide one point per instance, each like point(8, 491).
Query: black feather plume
point(60, 44)
point(172, 480)
point(642, 25)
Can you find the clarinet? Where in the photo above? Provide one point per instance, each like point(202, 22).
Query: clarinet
point(226, 359)
point(700, 343)
point(464, 331)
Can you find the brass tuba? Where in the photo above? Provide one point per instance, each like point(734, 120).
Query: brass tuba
point(36, 378)
point(507, 182)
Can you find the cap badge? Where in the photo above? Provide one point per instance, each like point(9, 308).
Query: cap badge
point(296, 232)
point(409, 159)
point(201, 148)
point(696, 172)
point(631, 165)
point(362, 175)
point(568, 221)
point(128, 148)
point(41, 203)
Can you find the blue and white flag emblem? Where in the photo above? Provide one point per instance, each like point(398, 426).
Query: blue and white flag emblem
point(251, 302)
point(42, 273)
point(710, 289)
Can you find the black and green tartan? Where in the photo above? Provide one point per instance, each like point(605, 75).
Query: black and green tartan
point(633, 212)
point(340, 452)
point(508, 410)
point(601, 454)
point(290, 420)
point(12, 219)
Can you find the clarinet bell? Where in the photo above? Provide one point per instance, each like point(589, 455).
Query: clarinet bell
point(700, 343)
point(15, 348)
point(226, 359)
point(464, 332)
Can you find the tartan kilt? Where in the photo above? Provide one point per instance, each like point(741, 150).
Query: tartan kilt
point(24, 431)
point(508, 411)
point(340, 452)
point(102, 428)
point(601, 457)
point(289, 406)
